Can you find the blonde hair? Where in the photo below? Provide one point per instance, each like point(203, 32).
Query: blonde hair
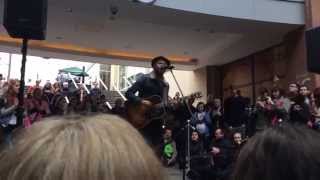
point(101, 147)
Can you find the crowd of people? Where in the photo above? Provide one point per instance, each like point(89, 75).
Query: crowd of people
point(219, 129)
point(58, 98)
point(106, 147)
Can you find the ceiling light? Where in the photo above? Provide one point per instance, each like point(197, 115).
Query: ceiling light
point(145, 1)
point(68, 10)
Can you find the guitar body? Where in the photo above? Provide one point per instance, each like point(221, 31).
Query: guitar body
point(140, 115)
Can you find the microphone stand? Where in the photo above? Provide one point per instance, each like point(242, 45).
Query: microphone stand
point(187, 163)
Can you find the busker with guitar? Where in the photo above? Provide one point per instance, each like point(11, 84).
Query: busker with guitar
point(149, 87)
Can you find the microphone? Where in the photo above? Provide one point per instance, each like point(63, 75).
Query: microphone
point(171, 67)
point(193, 128)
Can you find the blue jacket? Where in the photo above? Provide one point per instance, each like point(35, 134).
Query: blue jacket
point(206, 120)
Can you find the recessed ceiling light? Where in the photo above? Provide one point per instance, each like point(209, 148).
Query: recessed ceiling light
point(68, 10)
point(145, 1)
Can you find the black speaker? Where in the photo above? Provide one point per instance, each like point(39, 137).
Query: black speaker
point(313, 49)
point(26, 18)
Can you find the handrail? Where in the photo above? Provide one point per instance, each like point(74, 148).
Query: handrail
point(119, 92)
point(85, 88)
point(104, 85)
point(75, 84)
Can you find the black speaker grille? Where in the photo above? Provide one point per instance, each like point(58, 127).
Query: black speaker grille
point(26, 18)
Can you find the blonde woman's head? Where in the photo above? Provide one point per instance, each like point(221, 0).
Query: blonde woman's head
point(82, 148)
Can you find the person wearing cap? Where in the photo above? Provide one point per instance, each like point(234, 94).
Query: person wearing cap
point(150, 85)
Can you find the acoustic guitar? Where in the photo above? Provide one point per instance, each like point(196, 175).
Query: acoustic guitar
point(140, 115)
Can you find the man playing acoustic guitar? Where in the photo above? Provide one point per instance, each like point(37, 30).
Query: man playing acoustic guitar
point(149, 85)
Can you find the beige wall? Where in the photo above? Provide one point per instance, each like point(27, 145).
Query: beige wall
point(190, 82)
point(115, 71)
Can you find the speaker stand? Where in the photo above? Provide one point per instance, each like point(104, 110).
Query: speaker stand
point(20, 110)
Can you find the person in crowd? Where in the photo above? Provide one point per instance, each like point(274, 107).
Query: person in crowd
point(280, 153)
point(59, 104)
point(304, 91)
point(293, 90)
point(235, 110)
point(196, 144)
point(56, 88)
point(281, 105)
point(177, 97)
point(210, 103)
point(118, 107)
point(100, 147)
point(9, 105)
point(2, 84)
point(95, 95)
point(315, 108)
point(264, 107)
point(201, 120)
point(36, 86)
point(1, 80)
point(199, 164)
point(221, 151)
point(300, 112)
point(278, 95)
point(47, 91)
point(65, 89)
point(217, 115)
point(238, 143)
point(168, 149)
point(79, 100)
point(37, 107)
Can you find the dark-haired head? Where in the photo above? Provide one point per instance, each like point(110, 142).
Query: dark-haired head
point(200, 106)
point(160, 58)
point(276, 92)
point(294, 87)
point(304, 91)
point(160, 65)
point(280, 153)
point(195, 136)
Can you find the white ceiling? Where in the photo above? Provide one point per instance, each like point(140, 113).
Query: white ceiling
point(138, 28)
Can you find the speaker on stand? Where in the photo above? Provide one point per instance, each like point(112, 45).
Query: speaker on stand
point(25, 19)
